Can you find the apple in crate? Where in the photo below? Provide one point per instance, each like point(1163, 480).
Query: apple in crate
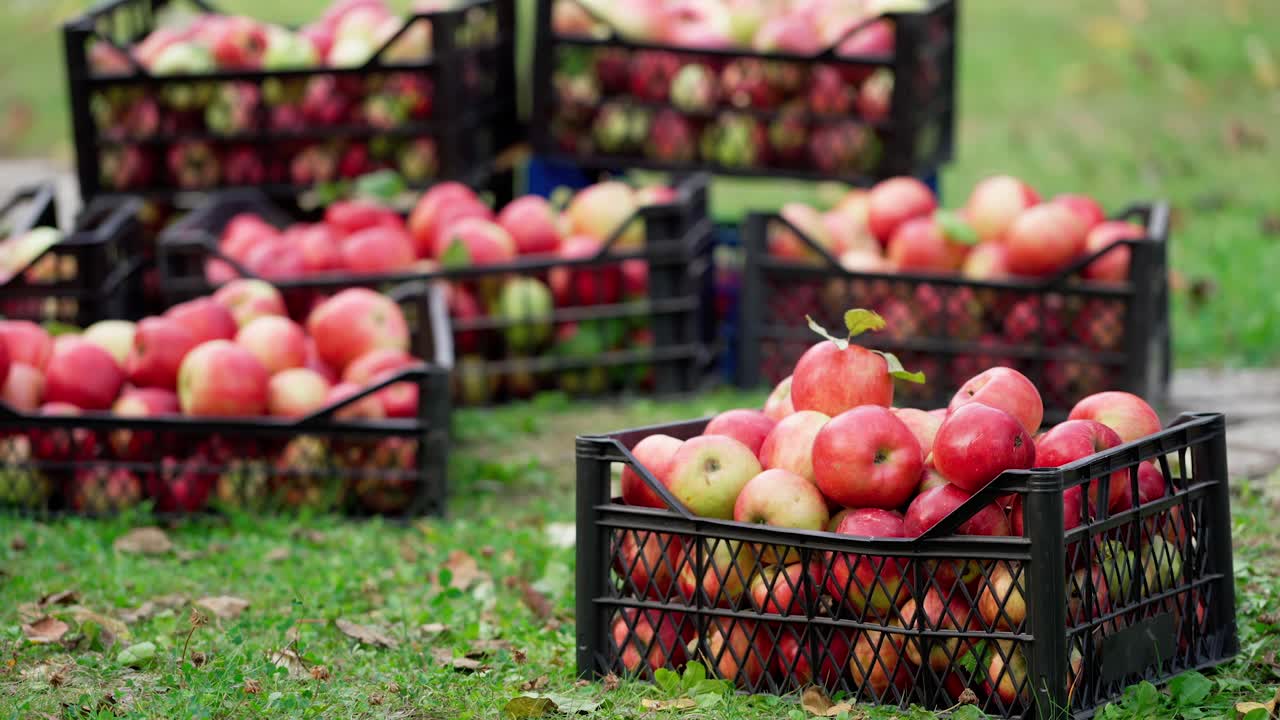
point(21, 484)
point(602, 209)
point(648, 561)
point(782, 499)
point(1086, 209)
point(1129, 415)
point(159, 345)
point(750, 427)
point(355, 321)
point(296, 392)
point(23, 388)
point(367, 408)
point(778, 405)
point(738, 650)
point(793, 658)
point(306, 475)
point(1006, 389)
point(836, 375)
point(531, 223)
point(474, 241)
point(976, 443)
point(1007, 674)
point(387, 477)
point(877, 666)
point(872, 584)
point(708, 472)
point(82, 374)
point(930, 507)
point(893, 202)
point(27, 342)
point(650, 639)
point(584, 285)
point(786, 589)
point(378, 249)
point(182, 484)
point(442, 204)
point(138, 445)
point(923, 425)
point(1076, 439)
point(1113, 265)
point(789, 446)
point(245, 483)
point(952, 614)
point(995, 203)
point(205, 318)
point(867, 458)
point(221, 379)
point(399, 400)
point(99, 489)
point(1044, 239)
point(277, 342)
point(525, 306)
point(654, 453)
point(1001, 602)
point(726, 572)
point(250, 298)
point(114, 336)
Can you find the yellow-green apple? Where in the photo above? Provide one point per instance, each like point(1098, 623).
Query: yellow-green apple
point(892, 202)
point(865, 261)
point(867, 458)
point(531, 222)
point(789, 445)
point(1112, 265)
point(995, 203)
point(23, 387)
point(727, 569)
point(205, 318)
point(136, 445)
point(1005, 389)
point(526, 307)
point(869, 582)
point(99, 489)
point(250, 298)
point(378, 249)
point(1089, 212)
point(930, 479)
point(21, 485)
point(950, 615)
point(778, 405)
point(1129, 415)
point(978, 442)
point(848, 233)
point(649, 639)
point(786, 589)
point(355, 321)
point(221, 379)
point(877, 666)
point(1001, 599)
point(159, 345)
point(278, 342)
point(923, 425)
point(28, 343)
point(785, 243)
point(986, 261)
point(82, 374)
point(749, 427)
point(366, 408)
point(1043, 240)
point(1162, 563)
point(114, 336)
point(295, 392)
point(1074, 439)
point(921, 245)
point(738, 651)
point(708, 472)
point(601, 209)
point(783, 499)
point(648, 561)
point(399, 400)
point(793, 658)
point(441, 204)
point(654, 453)
point(1007, 674)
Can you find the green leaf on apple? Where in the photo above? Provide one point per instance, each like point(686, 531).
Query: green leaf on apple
point(384, 186)
point(456, 255)
point(955, 228)
point(560, 198)
point(859, 321)
point(55, 328)
point(896, 370)
point(843, 344)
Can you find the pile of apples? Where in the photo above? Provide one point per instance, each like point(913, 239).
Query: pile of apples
point(233, 355)
point(1005, 230)
point(450, 227)
point(829, 453)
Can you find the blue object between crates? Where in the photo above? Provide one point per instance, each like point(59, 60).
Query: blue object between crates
point(544, 176)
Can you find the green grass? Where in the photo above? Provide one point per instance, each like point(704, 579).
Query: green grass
point(300, 575)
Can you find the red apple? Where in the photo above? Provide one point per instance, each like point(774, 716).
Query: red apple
point(601, 209)
point(158, 348)
point(727, 568)
point(1129, 415)
point(977, 442)
point(277, 342)
point(750, 427)
point(923, 425)
point(932, 506)
point(319, 247)
point(1001, 599)
point(82, 374)
point(1043, 240)
point(939, 613)
point(919, 245)
point(379, 249)
point(786, 589)
point(355, 321)
point(295, 392)
point(221, 379)
point(738, 651)
point(243, 231)
point(649, 639)
point(1113, 265)
point(27, 342)
point(785, 243)
point(793, 659)
point(278, 259)
point(348, 217)
point(1075, 439)
point(867, 458)
point(474, 241)
point(709, 471)
point(894, 201)
point(1085, 208)
point(366, 408)
point(1005, 389)
point(830, 380)
point(237, 43)
point(399, 400)
point(1007, 675)
point(655, 453)
point(584, 285)
point(23, 388)
point(877, 667)
point(778, 405)
point(531, 223)
point(314, 362)
point(205, 318)
point(248, 299)
point(789, 446)
point(782, 499)
point(995, 203)
point(986, 261)
point(869, 582)
point(439, 207)
point(132, 445)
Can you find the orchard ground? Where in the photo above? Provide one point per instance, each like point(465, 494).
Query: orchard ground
point(1124, 99)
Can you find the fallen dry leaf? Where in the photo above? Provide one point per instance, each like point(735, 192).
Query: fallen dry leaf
point(289, 660)
point(484, 648)
point(65, 597)
point(45, 630)
point(252, 687)
point(144, 540)
point(1244, 708)
point(528, 707)
point(535, 684)
point(611, 682)
point(30, 612)
point(366, 634)
point(320, 672)
point(111, 628)
point(408, 553)
point(444, 656)
point(227, 607)
point(433, 629)
point(277, 555)
point(151, 608)
point(677, 704)
point(188, 555)
point(463, 570)
point(18, 543)
point(816, 702)
point(537, 603)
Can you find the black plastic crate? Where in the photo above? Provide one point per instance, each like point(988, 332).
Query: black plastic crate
point(659, 587)
point(101, 463)
point(759, 119)
point(90, 274)
point(430, 117)
point(598, 339)
point(1071, 337)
